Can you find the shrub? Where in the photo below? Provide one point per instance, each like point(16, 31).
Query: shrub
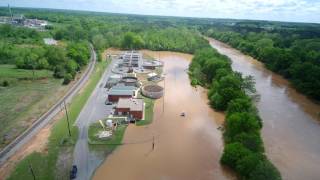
point(67, 78)
point(241, 122)
point(265, 171)
point(233, 153)
point(251, 141)
point(5, 83)
point(248, 163)
point(239, 105)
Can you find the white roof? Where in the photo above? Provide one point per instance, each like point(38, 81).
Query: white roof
point(152, 74)
point(131, 103)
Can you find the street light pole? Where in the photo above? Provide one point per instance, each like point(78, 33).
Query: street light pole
point(65, 107)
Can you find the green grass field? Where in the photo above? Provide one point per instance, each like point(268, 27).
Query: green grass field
point(8, 71)
point(44, 164)
point(112, 142)
point(149, 104)
point(23, 101)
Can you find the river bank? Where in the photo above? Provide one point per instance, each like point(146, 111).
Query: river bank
point(291, 122)
point(185, 147)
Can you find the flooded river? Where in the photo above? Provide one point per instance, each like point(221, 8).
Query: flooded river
point(186, 148)
point(291, 129)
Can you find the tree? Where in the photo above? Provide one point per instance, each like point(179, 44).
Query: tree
point(232, 153)
point(241, 122)
point(132, 41)
point(55, 56)
point(265, 171)
point(251, 141)
point(246, 165)
point(239, 105)
point(72, 67)
point(67, 78)
point(79, 52)
point(98, 42)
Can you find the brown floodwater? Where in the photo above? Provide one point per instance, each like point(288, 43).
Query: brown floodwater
point(185, 147)
point(291, 129)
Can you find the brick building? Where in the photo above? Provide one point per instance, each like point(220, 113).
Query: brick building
point(130, 106)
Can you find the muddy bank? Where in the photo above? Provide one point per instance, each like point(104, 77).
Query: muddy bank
point(291, 121)
point(185, 147)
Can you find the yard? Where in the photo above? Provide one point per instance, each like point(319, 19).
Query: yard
point(111, 142)
point(27, 96)
point(148, 111)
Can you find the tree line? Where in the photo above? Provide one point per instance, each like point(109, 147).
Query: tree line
point(295, 54)
point(25, 48)
point(231, 92)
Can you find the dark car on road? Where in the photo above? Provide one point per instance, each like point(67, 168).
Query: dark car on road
point(73, 172)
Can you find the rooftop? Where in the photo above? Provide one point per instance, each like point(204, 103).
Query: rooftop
point(131, 103)
point(122, 90)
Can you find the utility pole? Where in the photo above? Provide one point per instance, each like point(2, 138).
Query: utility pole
point(153, 143)
point(31, 170)
point(65, 107)
point(11, 15)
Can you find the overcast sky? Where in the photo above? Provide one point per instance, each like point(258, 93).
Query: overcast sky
point(279, 10)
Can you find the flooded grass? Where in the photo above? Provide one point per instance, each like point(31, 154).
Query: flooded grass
point(149, 104)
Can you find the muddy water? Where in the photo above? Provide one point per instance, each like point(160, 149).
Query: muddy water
point(185, 147)
point(291, 129)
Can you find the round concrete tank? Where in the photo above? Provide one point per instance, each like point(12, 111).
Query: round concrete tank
point(129, 81)
point(152, 91)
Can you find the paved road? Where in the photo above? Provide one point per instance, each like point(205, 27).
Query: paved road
point(95, 109)
point(26, 136)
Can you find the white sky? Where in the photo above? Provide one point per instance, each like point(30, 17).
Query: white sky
point(279, 10)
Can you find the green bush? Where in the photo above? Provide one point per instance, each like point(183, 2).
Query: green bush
point(240, 123)
point(265, 171)
point(248, 164)
point(251, 141)
point(67, 78)
point(5, 83)
point(232, 153)
point(239, 105)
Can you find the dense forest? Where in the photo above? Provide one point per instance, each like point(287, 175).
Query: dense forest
point(292, 51)
point(24, 47)
point(75, 29)
point(231, 92)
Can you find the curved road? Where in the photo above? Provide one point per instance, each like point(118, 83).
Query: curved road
point(15, 145)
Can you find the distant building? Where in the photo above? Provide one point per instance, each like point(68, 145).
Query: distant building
point(121, 91)
point(50, 41)
point(132, 107)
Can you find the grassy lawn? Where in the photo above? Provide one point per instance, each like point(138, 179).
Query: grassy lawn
point(8, 71)
point(25, 99)
point(149, 103)
point(111, 142)
point(44, 164)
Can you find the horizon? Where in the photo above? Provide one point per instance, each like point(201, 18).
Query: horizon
point(311, 13)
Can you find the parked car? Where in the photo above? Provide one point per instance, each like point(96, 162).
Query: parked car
point(108, 103)
point(73, 172)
